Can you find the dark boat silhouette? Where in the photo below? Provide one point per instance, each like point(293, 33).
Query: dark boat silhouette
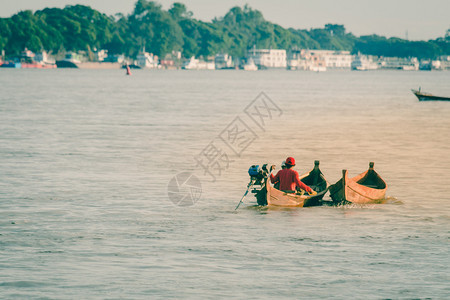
point(428, 97)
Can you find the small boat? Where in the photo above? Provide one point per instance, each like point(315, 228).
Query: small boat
point(250, 65)
point(363, 63)
point(368, 187)
point(428, 97)
point(314, 179)
point(11, 64)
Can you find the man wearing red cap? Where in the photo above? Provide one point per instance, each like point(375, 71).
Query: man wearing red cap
point(289, 178)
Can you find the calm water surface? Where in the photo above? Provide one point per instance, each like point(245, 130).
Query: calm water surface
point(86, 157)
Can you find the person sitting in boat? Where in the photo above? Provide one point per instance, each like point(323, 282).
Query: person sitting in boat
point(289, 179)
point(277, 184)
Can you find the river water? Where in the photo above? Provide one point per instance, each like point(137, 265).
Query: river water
point(86, 157)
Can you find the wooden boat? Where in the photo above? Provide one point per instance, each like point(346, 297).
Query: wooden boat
point(367, 187)
point(314, 179)
point(428, 97)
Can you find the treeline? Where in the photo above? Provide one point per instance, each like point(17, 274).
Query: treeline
point(162, 31)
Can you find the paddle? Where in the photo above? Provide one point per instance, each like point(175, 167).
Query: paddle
point(250, 184)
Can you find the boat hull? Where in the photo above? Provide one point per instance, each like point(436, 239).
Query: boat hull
point(429, 97)
point(314, 179)
point(38, 66)
point(88, 65)
point(366, 188)
point(278, 198)
point(15, 65)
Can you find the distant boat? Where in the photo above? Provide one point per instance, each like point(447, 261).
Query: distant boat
point(196, 64)
point(30, 60)
point(368, 187)
point(73, 60)
point(88, 65)
point(428, 97)
point(11, 64)
point(131, 66)
point(318, 68)
point(363, 63)
point(36, 65)
point(250, 65)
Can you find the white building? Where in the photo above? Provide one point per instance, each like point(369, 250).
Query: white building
point(100, 55)
point(333, 59)
point(147, 60)
point(400, 63)
point(250, 65)
point(268, 58)
point(42, 57)
point(338, 59)
point(306, 60)
point(196, 64)
point(445, 62)
point(319, 60)
point(363, 63)
point(223, 61)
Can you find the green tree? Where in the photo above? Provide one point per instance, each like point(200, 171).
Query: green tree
point(154, 28)
point(178, 11)
point(335, 29)
point(79, 27)
point(5, 33)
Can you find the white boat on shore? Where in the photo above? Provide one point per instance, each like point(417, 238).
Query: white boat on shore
point(250, 65)
point(196, 64)
point(73, 60)
point(363, 63)
point(317, 68)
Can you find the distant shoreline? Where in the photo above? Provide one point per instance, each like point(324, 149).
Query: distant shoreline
point(175, 33)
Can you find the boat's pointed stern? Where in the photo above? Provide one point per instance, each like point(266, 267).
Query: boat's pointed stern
point(316, 164)
point(337, 190)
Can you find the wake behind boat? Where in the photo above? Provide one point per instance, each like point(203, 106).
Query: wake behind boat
point(428, 97)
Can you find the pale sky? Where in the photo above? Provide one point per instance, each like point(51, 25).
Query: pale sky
point(422, 19)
